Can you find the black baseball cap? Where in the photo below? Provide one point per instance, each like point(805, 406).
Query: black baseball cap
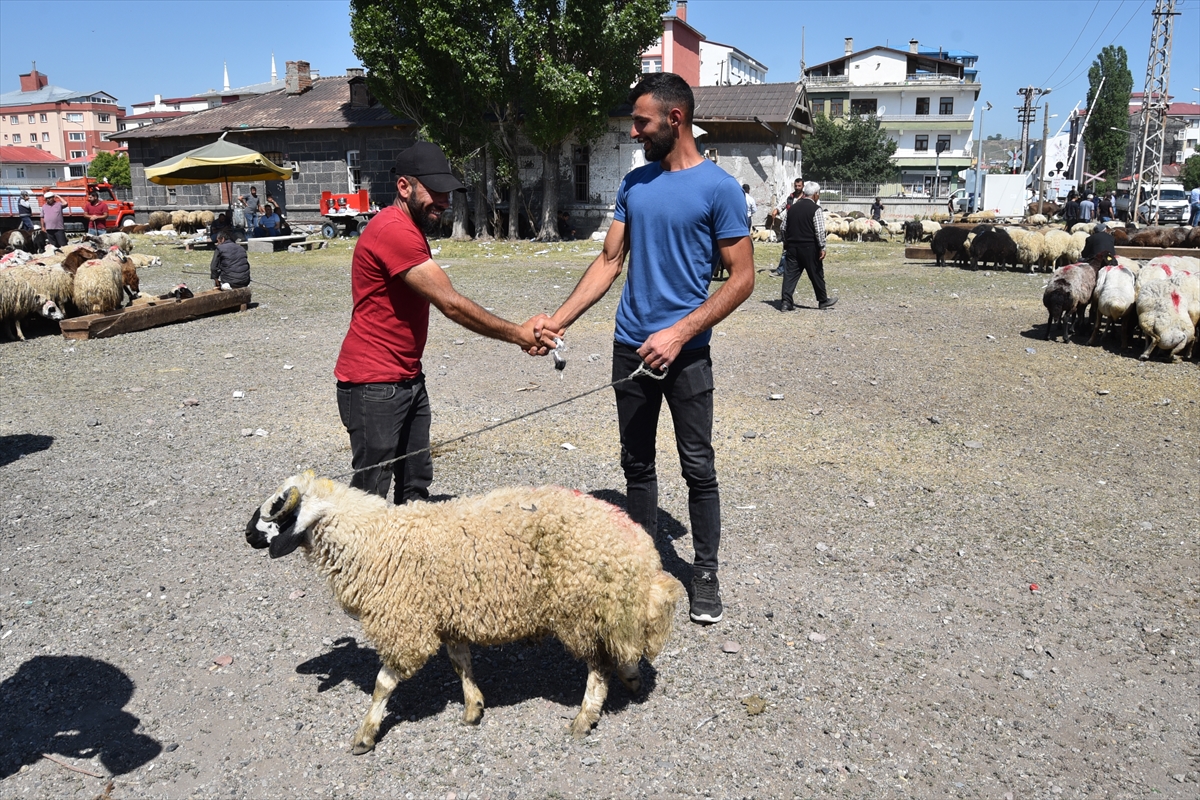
point(426, 162)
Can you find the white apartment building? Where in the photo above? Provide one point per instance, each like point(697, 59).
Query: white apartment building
point(924, 100)
point(725, 65)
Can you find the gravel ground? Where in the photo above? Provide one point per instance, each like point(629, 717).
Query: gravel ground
point(932, 458)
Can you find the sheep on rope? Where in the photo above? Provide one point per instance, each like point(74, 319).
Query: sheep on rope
point(510, 565)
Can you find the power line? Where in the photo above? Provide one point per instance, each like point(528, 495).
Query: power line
point(1072, 47)
point(1116, 36)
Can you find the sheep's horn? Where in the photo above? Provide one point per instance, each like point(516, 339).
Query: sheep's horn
point(285, 504)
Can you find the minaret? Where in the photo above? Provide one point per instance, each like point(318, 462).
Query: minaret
point(226, 89)
point(273, 78)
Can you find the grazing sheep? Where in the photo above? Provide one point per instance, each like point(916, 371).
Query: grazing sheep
point(1030, 245)
point(99, 286)
point(1066, 296)
point(1165, 318)
point(1054, 251)
point(1113, 299)
point(1036, 219)
point(157, 219)
point(867, 230)
point(981, 216)
point(514, 564)
point(952, 242)
point(895, 227)
point(50, 281)
point(993, 245)
point(18, 300)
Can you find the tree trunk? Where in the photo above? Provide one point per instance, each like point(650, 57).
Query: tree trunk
point(481, 205)
point(549, 226)
point(459, 231)
point(514, 204)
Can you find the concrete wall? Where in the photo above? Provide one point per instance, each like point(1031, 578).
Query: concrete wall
point(893, 207)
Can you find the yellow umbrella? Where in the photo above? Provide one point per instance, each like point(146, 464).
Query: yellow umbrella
point(219, 162)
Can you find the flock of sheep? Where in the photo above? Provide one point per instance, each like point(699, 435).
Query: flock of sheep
point(1160, 299)
point(89, 277)
point(178, 221)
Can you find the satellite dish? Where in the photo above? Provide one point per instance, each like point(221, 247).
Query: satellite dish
point(882, 110)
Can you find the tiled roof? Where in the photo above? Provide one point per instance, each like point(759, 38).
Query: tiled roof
point(168, 100)
point(325, 106)
point(770, 102)
point(10, 154)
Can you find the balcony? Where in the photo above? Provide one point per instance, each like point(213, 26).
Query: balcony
point(927, 118)
point(928, 77)
point(826, 80)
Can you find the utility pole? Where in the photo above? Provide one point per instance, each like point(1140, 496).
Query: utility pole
point(1045, 155)
point(978, 204)
point(1026, 114)
point(1154, 109)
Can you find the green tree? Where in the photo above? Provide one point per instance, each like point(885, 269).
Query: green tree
point(852, 149)
point(1190, 174)
point(1108, 108)
point(112, 166)
point(577, 61)
point(447, 66)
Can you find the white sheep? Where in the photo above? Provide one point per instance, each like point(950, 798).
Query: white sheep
point(1036, 219)
point(109, 240)
point(981, 216)
point(514, 564)
point(142, 260)
point(1056, 244)
point(18, 300)
point(1114, 299)
point(928, 229)
point(1164, 315)
point(1162, 268)
point(50, 281)
point(99, 285)
point(894, 227)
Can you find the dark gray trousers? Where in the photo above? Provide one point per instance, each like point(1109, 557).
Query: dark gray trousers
point(386, 420)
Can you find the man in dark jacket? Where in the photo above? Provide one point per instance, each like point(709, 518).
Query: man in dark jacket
point(230, 268)
point(1098, 244)
point(804, 244)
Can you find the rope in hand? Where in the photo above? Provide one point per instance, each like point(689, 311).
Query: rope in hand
point(642, 371)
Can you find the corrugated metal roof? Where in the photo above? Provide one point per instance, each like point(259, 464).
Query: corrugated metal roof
point(770, 102)
point(323, 107)
point(46, 94)
point(11, 154)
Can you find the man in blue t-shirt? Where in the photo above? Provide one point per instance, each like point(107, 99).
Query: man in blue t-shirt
point(677, 218)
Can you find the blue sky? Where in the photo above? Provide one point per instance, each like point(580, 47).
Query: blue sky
point(134, 50)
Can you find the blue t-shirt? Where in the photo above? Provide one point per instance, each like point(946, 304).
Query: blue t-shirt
point(673, 221)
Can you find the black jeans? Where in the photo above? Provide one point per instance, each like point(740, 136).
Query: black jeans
point(57, 237)
point(688, 389)
point(804, 258)
point(386, 420)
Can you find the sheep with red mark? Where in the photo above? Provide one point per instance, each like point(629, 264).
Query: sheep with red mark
point(1167, 312)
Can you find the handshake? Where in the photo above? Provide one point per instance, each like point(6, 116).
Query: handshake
point(539, 334)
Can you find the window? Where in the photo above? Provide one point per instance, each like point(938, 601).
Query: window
point(52, 172)
point(580, 158)
point(835, 107)
point(42, 118)
point(652, 64)
point(946, 105)
point(171, 198)
point(76, 154)
point(863, 108)
point(921, 144)
point(31, 119)
point(74, 117)
point(99, 118)
point(16, 138)
point(45, 137)
point(77, 136)
point(20, 172)
point(353, 171)
point(922, 105)
point(943, 142)
point(14, 120)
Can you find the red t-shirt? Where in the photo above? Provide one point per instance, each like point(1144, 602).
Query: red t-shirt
point(99, 207)
point(390, 321)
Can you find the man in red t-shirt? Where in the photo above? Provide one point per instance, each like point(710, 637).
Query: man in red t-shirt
point(96, 213)
point(394, 279)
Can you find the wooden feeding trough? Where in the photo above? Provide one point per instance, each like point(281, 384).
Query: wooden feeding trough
point(153, 314)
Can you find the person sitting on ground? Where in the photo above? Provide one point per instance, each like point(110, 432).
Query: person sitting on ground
point(230, 268)
point(1099, 243)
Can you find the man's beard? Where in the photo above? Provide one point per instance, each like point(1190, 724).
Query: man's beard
point(419, 213)
point(660, 143)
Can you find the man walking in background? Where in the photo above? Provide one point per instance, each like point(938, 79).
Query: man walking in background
point(676, 218)
point(805, 248)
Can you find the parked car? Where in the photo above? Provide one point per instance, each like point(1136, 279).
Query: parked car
point(1172, 204)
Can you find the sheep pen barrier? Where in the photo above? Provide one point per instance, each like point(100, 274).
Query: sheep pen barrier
point(154, 314)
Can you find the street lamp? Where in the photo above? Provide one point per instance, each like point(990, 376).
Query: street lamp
point(979, 161)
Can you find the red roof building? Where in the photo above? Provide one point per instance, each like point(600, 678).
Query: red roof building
point(71, 125)
point(29, 166)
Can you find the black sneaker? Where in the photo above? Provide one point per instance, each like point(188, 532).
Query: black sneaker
point(706, 598)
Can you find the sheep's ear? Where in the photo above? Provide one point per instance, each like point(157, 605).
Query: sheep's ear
point(284, 513)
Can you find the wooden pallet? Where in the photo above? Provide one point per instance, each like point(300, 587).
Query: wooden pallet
point(153, 314)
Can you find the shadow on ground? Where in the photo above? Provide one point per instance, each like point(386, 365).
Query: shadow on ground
point(70, 706)
point(18, 445)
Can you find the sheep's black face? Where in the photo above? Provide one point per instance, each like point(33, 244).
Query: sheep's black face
point(276, 528)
